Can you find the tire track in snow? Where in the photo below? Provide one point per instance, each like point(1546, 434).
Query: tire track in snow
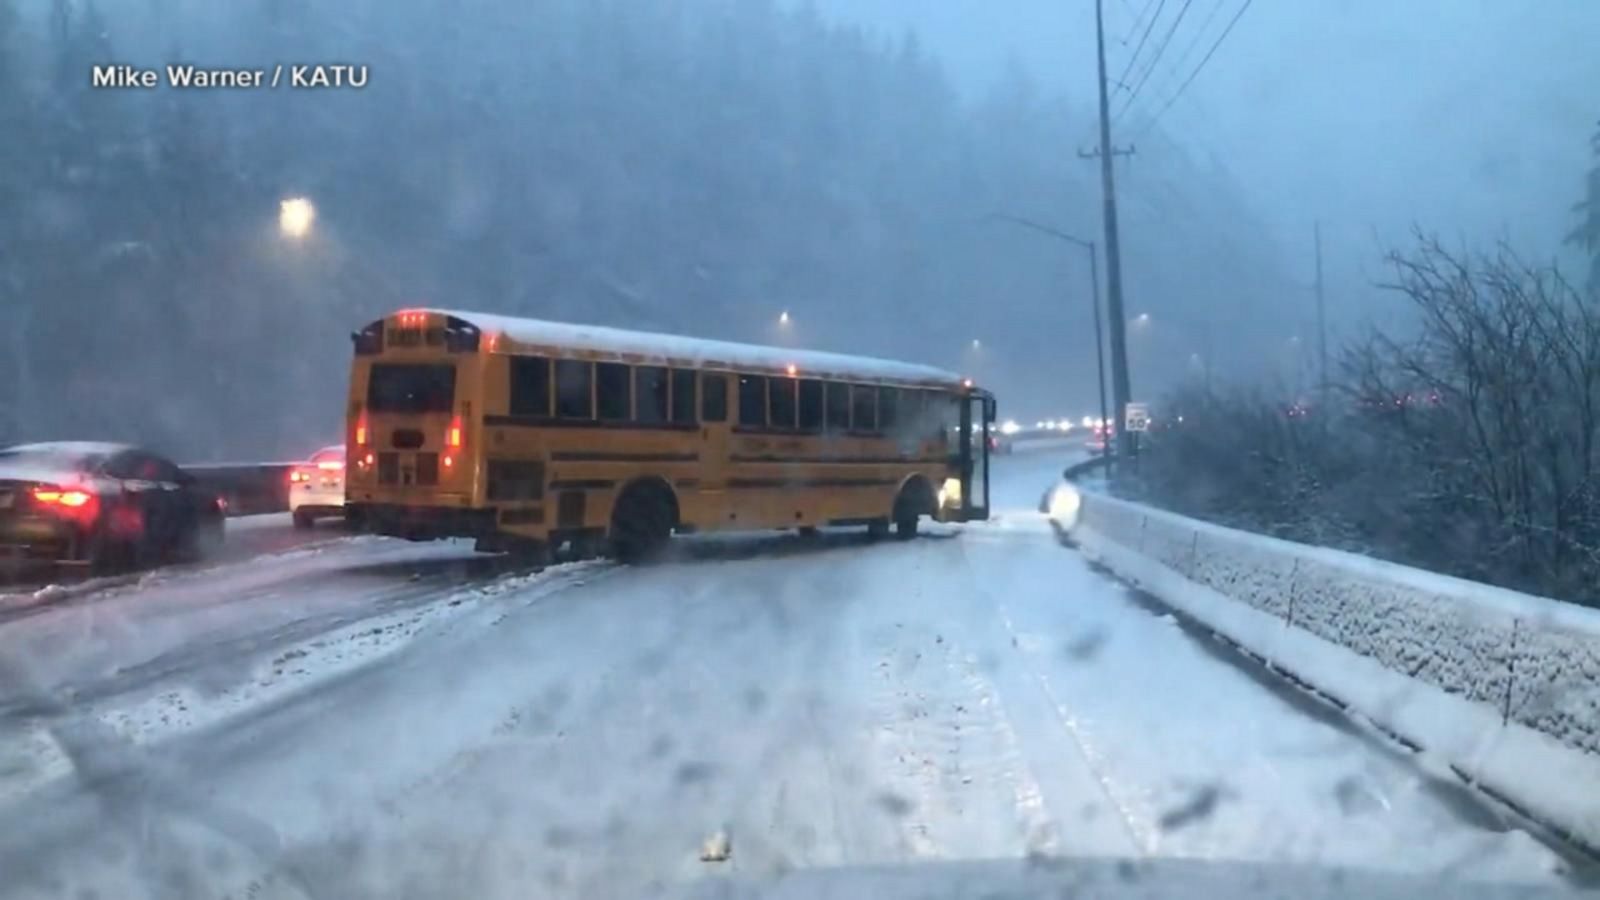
point(1140, 834)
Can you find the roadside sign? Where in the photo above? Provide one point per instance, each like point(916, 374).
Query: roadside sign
point(1137, 417)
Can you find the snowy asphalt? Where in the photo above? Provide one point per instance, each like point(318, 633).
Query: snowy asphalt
point(336, 716)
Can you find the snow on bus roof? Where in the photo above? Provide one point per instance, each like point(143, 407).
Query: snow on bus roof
point(663, 348)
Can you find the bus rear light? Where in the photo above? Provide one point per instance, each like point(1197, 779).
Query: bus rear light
point(449, 462)
point(454, 439)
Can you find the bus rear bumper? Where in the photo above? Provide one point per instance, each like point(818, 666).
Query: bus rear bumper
point(420, 523)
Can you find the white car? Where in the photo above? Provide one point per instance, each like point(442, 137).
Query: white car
point(316, 487)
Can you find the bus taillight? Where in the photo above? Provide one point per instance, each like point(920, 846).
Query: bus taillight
point(455, 434)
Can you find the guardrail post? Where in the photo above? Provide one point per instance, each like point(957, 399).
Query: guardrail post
point(1511, 673)
point(1194, 554)
point(1294, 582)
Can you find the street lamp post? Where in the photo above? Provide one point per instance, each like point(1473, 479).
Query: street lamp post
point(1094, 281)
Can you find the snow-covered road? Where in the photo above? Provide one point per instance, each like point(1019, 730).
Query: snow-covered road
point(366, 718)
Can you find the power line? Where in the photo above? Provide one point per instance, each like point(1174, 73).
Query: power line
point(1165, 40)
point(1149, 26)
point(1197, 69)
point(1199, 33)
point(1137, 20)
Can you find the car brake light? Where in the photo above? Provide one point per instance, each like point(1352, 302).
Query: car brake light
point(297, 476)
point(330, 466)
point(71, 499)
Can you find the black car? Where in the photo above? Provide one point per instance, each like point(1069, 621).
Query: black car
point(108, 506)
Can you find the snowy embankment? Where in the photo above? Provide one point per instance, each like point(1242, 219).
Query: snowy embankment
point(1502, 687)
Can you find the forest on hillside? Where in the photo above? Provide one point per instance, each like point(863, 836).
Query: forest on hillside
point(1467, 443)
point(685, 165)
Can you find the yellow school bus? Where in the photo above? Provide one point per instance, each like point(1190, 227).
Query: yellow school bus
point(527, 435)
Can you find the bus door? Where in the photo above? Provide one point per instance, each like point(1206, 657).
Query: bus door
point(977, 418)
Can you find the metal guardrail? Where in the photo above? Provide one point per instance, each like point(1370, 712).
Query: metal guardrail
point(249, 488)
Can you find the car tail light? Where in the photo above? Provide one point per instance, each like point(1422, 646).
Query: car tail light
point(299, 475)
point(66, 500)
point(331, 466)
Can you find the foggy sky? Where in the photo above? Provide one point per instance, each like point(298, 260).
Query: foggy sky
point(1468, 117)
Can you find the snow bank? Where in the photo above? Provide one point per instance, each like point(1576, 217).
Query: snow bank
point(1504, 686)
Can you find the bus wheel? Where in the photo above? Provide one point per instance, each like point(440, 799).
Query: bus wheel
point(915, 499)
point(642, 521)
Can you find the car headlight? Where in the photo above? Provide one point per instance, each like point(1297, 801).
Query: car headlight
point(1064, 505)
point(950, 492)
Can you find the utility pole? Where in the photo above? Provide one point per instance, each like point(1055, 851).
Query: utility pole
point(1120, 387)
point(1322, 325)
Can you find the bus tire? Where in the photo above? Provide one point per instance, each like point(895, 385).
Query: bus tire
point(915, 499)
point(642, 521)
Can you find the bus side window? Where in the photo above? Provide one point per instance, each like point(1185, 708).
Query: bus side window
point(530, 386)
point(838, 407)
point(888, 410)
point(611, 391)
point(683, 396)
point(863, 408)
point(650, 394)
point(912, 425)
point(781, 393)
point(810, 405)
point(574, 389)
point(714, 397)
point(752, 401)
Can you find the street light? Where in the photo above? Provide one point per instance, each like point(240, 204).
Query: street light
point(783, 317)
point(976, 344)
point(295, 216)
point(1094, 281)
point(1143, 319)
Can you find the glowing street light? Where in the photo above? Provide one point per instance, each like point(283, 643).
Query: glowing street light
point(976, 344)
point(1143, 319)
point(783, 317)
point(295, 216)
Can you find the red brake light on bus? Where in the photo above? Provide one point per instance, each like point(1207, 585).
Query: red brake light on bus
point(361, 431)
point(454, 440)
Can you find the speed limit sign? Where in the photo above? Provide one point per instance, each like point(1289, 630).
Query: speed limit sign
point(1137, 418)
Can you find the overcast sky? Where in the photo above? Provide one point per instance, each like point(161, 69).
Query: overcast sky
point(1469, 117)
